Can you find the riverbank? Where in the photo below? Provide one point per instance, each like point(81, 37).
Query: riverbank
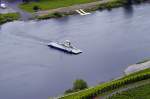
point(109, 87)
point(8, 17)
point(137, 67)
point(41, 13)
point(98, 5)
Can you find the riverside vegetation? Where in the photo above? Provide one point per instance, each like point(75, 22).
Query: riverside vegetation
point(78, 85)
point(8, 17)
point(107, 5)
point(92, 92)
point(51, 4)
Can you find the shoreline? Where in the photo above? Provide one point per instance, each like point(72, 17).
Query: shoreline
point(71, 9)
point(137, 67)
point(65, 11)
point(89, 7)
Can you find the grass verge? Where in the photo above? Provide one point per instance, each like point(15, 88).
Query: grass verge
point(51, 4)
point(8, 17)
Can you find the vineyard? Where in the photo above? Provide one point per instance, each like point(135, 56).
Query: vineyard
point(108, 86)
point(141, 92)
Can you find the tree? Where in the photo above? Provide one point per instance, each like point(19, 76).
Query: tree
point(79, 84)
point(36, 8)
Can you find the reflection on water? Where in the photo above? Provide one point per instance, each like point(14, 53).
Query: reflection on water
point(110, 41)
point(128, 10)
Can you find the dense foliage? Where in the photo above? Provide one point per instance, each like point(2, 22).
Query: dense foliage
point(112, 4)
point(78, 85)
point(52, 15)
point(8, 17)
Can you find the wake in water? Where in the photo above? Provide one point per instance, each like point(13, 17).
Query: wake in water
point(28, 31)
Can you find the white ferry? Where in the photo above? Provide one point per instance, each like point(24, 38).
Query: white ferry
point(65, 46)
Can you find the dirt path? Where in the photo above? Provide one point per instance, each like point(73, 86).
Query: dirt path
point(71, 9)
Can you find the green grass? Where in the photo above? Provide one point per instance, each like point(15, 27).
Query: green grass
point(142, 92)
point(52, 4)
point(8, 17)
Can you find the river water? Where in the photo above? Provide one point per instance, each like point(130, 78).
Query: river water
point(110, 41)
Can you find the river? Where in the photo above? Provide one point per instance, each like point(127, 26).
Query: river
point(110, 41)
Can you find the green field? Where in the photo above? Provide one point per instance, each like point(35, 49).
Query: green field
point(52, 4)
point(142, 92)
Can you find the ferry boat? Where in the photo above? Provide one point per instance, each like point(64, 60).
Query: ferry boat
point(65, 46)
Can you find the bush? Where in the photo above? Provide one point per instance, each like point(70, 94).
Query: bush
point(53, 15)
point(68, 91)
point(36, 8)
point(56, 14)
point(8, 17)
point(79, 84)
point(112, 4)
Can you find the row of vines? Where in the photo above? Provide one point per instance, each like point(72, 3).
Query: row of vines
point(105, 87)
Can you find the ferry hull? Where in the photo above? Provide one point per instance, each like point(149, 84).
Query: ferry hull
point(68, 50)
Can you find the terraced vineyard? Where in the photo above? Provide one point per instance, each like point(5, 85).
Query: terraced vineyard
point(142, 92)
point(109, 86)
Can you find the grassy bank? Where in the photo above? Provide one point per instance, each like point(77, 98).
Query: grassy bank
point(109, 86)
point(8, 17)
point(106, 5)
point(112, 4)
point(51, 4)
point(142, 92)
point(52, 15)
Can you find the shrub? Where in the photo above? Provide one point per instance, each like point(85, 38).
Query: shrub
point(79, 84)
point(112, 4)
point(36, 8)
point(8, 17)
point(68, 91)
point(53, 15)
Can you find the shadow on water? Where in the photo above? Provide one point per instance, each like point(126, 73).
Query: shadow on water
point(61, 51)
point(128, 11)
